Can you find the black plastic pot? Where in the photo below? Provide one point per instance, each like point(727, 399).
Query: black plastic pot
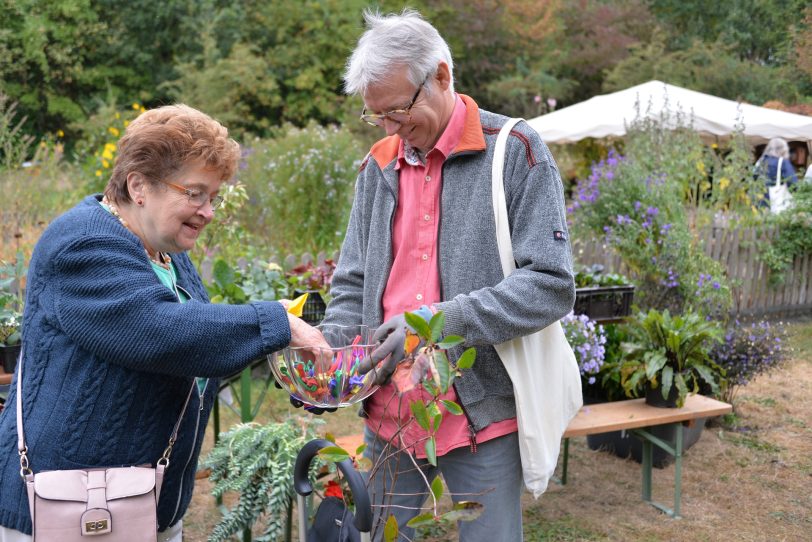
point(654, 397)
point(9, 355)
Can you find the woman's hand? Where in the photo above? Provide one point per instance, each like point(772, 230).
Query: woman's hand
point(303, 335)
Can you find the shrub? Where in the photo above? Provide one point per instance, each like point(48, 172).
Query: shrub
point(748, 351)
point(300, 186)
point(793, 237)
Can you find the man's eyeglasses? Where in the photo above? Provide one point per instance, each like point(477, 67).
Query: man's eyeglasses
point(400, 116)
point(196, 197)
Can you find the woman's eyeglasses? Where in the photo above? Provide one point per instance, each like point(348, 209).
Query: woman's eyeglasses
point(400, 116)
point(197, 198)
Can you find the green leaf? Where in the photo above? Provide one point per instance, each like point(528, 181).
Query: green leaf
point(450, 342)
point(467, 358)
point(420, 326)
point(431, 451)
point(444, 371)
point(333, 454)
point(437, 417)
point(437, 488)
point(463, 511)
point(708, 376)
point(667, 380)
point(683, 389)
point(437, 324)
point(654, 362)
point(420, 414)
point(360, 449)
point(223, 273)
point(452, 407)
point(390, 530)
point(423, 520)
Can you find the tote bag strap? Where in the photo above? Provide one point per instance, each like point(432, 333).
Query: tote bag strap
point(499, 203)
point(23, 450)
point(778, 171)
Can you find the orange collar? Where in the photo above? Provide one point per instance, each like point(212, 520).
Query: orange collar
point(386, 150)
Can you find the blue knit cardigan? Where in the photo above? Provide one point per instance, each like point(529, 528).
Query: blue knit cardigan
point(110, 356)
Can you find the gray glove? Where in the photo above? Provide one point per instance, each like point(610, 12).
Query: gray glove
point(392, 338)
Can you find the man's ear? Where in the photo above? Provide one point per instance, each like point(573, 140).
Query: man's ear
point(443, 75)
point(136, 186)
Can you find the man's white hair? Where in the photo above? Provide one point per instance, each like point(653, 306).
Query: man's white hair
point(391, 41)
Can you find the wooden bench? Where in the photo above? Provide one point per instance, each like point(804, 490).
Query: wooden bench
point(635, 416)
point(632, 415)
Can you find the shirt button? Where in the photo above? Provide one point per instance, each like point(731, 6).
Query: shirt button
point(419, 297)
point(426, 218)
point(428, 178)
point(425, 257)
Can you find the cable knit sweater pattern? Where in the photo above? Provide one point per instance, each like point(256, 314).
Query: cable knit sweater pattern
point(110, 356)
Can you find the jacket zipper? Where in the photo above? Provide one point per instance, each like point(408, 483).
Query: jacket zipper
point(191, 453)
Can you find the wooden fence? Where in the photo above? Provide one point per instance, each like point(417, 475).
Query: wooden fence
point(737, 251)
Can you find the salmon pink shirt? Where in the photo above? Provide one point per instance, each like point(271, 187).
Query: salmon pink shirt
point(414, 281)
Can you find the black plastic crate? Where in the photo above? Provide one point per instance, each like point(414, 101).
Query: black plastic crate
point(314, 308)
point(604, 304)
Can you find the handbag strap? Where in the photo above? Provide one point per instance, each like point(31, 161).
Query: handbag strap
point(499, 203)
point(22, 449)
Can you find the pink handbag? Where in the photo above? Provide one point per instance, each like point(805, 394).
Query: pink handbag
point(109, 505)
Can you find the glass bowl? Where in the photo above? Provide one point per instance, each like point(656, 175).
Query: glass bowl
point(328, 378)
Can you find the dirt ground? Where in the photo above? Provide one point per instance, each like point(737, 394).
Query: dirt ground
point(750, 480)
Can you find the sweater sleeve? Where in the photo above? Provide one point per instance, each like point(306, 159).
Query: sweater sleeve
point(109, 301)
point(542, 289)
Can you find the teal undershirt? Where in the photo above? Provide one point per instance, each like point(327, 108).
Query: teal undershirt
point(169, 278)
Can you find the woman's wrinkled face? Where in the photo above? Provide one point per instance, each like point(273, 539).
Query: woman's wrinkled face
point(169, 220)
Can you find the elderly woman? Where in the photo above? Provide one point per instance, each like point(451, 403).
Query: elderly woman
point(775, 156)
point(118, 326)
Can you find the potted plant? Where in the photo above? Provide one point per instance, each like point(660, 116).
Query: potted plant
point(603, 297)
point(10, 324)
point(11, 304)
point(668, 356)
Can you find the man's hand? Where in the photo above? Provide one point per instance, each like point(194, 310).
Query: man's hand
point(392, 349)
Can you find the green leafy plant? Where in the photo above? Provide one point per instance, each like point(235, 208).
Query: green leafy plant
point(665, 352)
point(793, 238)
point(12, 276)
point(426, 366)
point(257, 462)
point(594, 276)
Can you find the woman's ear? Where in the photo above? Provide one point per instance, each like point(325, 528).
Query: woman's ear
point(136, 187)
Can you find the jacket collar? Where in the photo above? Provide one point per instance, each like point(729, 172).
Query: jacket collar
point(472, 140)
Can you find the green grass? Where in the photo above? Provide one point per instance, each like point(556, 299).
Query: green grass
point(566, 529)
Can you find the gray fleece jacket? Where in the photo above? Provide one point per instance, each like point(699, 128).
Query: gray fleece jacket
point(479, 303)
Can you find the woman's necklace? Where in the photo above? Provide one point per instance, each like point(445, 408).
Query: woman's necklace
point(161, 258)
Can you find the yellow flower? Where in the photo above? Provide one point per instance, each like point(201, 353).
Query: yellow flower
point(98, 173)
point(143, 108)
point(126, 123)
point(136, 107)
point(60, 133)
point(724, 182)
point(113, 130)
point(118, 115)
point(105, 164)
point(700, 167)
point(705, 185)
point(714, 146)
point(109, 149)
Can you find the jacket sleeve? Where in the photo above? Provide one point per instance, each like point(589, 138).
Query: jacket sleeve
point(788, 173)
point(109, 301)
point(542, 289)
point(347, 284)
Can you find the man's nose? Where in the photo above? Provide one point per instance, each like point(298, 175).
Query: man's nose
point(391, 126)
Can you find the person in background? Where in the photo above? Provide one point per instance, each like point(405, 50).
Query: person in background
point(775, 153)
point(118, 328)
point(421, 237)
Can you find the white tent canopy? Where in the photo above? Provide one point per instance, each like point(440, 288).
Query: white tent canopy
point(609, 115)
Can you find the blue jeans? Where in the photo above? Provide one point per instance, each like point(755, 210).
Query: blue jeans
point(492, 476)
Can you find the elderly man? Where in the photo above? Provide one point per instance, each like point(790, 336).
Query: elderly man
point(422, 237)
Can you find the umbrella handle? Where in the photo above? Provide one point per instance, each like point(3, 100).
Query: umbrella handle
point(302, 485)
